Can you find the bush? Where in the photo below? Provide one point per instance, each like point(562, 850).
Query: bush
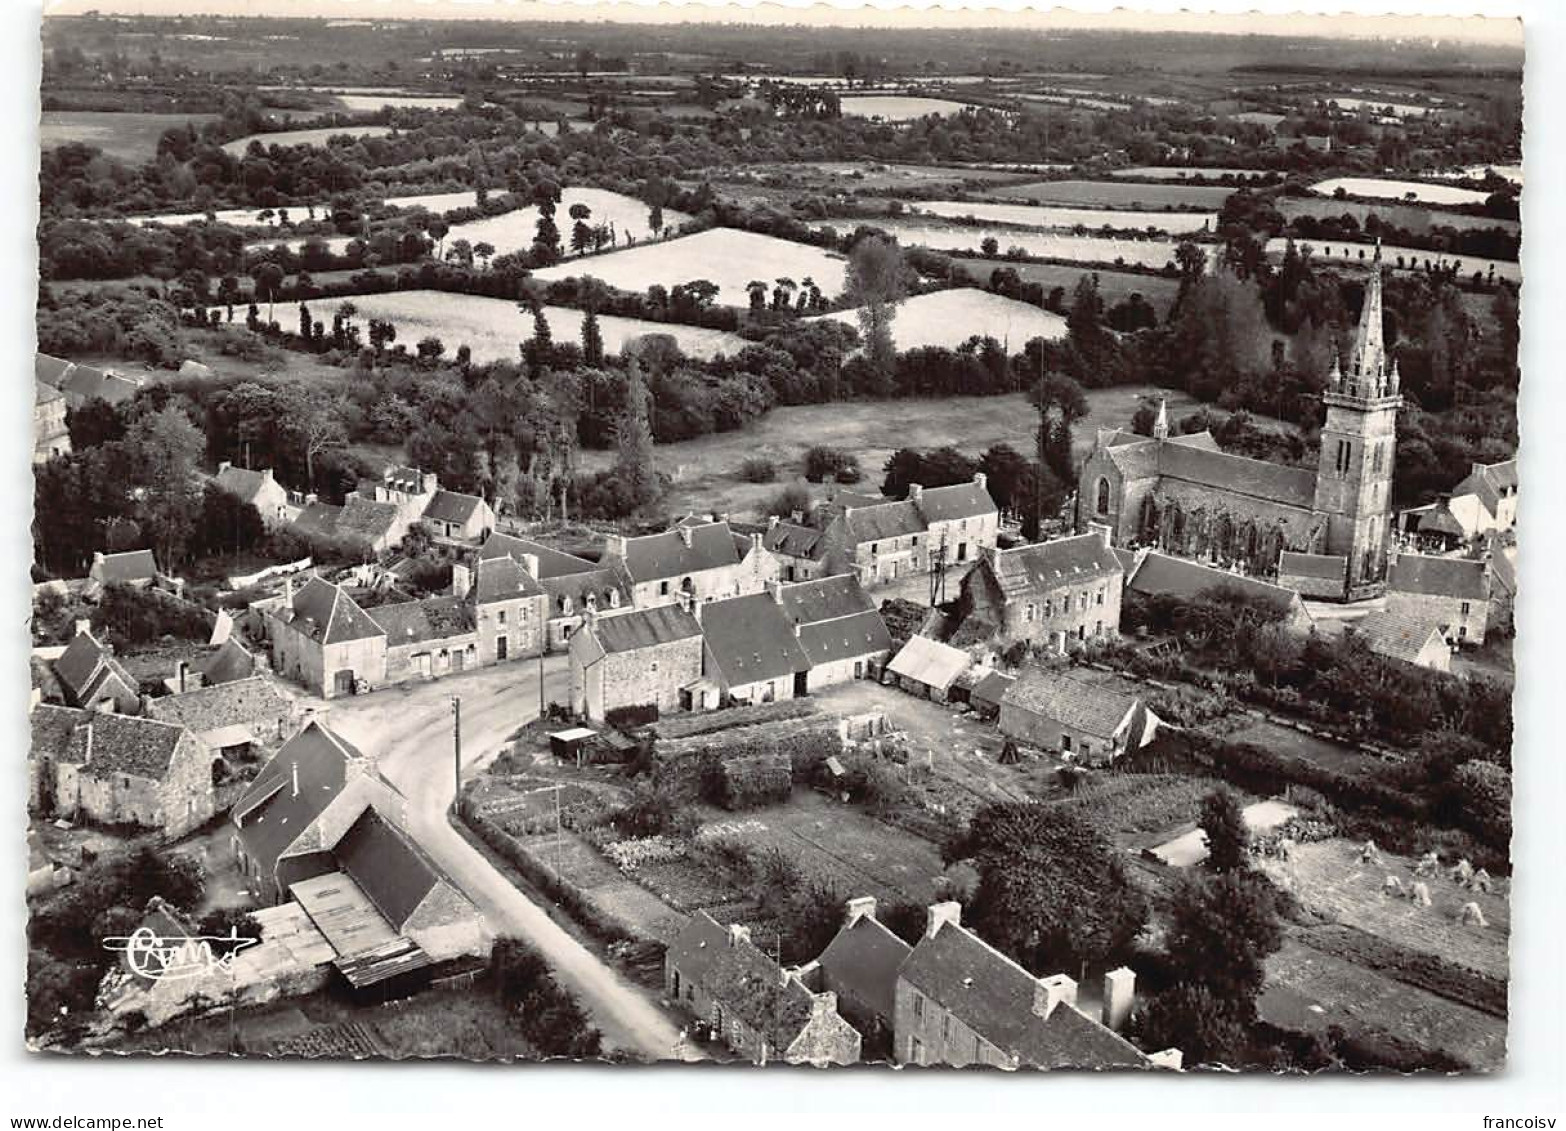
point(630, 717)
point(758, 470)
point(749, 783)
point(545, 1013)
point(790, 501)
point(822, 462)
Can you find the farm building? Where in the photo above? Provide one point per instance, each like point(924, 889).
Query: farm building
point(860, 966)
point(321, 638)
point(757, 1008)
point(750, 649)
point(232, 717)
point(927, 668)
point(1407, 637)
point(258, 488)
point(1080, 716)
point(644, 658)
point(1451, 592)
point(1158, 574)
point(89, 676)
point(572, 585)
point(135, 568)
point(433, 637)
point(988, 692)
point(1058, 593)
point(839, 628)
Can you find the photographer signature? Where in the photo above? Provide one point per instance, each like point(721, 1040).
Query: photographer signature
point(172, 957)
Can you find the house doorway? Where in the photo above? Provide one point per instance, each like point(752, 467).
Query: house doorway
point(342, 682)
point(501, 646)
point(801, 679)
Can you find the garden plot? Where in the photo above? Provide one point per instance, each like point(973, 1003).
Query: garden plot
point(239, 146)
point(1156, 253)
point(1399, 190)
point(1396, 258)
point(1297, 744)
point(949, 318)
point(896, 107)
point(494, 328)
point(724, 256)
point(1043, 216)
point(1118, 194)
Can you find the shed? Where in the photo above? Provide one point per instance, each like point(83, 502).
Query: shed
point(927, 667)
point(566, 744)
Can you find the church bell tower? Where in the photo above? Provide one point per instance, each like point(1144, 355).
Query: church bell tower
point(1354, 475)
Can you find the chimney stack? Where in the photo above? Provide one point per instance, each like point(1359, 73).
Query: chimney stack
point(266, 475)
point(1057, 989)
point(981, 481)
point(614, 546)
point(224, 466)
point(288, 591)
point(180, 672)
point(915, 491)
point(1119, 992)
point(861, 908)
point(97, 557)
point(529, 564)
point(938, 915)
point(1102, 530)
point(83, 626)
point(461, 580)
point(685, 535)
point(295, 767)
point(738, 934)
point(772, 521)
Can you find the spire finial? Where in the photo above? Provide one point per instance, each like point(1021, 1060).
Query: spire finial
point(1161, 424)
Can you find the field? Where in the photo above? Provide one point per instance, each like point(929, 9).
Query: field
point(1112, 285)
point(493, 328)
point(129, 137)
point(1397, 258)
point(1040, 216)
point(1040, 245)
point(830, 175)
point(369, 103)
point(238, 146)
point(949, 318)
point(1118, 194)
point(1399, 190)
point(434, 201)
point(1410, 216)
point(724, 256)
point(1292, 743)
point(896, 108)
point(1186, 172)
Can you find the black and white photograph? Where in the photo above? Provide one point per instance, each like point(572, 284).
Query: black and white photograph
point(970, 540)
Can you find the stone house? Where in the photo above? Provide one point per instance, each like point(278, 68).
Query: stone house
point(1059, 593)
point(510, 609)
point(697, 560)
point(258, 488)
point(839, 628)
point(1405, 636)
point(1484, 503)
point(800, 550)
point(573, 586)
point(751, 650)
point(643, 658)
point(1453, 593)
point(433, 637)
point(860, 965)
point(120, 770)
point(79, 384)
point(320, 637)
point(89, 676)
point(456, 517)
point(760, 1010)
point(886, 539)
point(135, 568)
point(231, 718)
point(1082, 715)
point(50, 436)
point(1154, 573)
point(959, 1002)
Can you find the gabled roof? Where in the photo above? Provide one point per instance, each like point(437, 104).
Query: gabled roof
point(1439, 519)
point(242, 482)
point(415, 622)
point(697, 946)
point(845, 638)
point(408, 480)
point(53, 730)
point(1503, 571)
point(929, 662)
point(656, 556)
point(990, 690)
point(749, 639)
point(750, 986)
point(1292, 486)
point(865, 956)
point(231, 661)
point(891, 518)
point(994, 997)
point(1161, 573)
point(1489, 482)
point(452, 507)
point(366, 518)
point(326, 614)
point(50, 370)
point(795, 541)
point(86, 671)
point(84, 383)
point(104, 743)
point(1049, 565)
point(645, 628)
point(826, 598)
point(551, 562)
point(502, 579)
point(223, 704)
point(319, 519)
point(1460, 578)
point(43, 394)
point(1066, 698)
point(960, 500)
point(386, 865)
point(124, 567)
point(1323, 567)
point(1399, 635)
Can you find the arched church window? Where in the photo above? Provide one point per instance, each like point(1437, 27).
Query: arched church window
point(1103, 496)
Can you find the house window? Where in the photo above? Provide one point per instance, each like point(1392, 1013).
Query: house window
point(1103, 496)
point(1098, 628)
point(663, 588)
point(1027, 613)
point(1465, 608)
point(500, 617)
point(946, 1026)
point(918, 1001)
point(1087, 748)
point(1065, 742)
point(1082, 602)
point(1049, 606)
point(1462, 634)
point(654, 665)
point(916, 1051)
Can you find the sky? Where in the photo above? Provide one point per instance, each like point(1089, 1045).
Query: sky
point(875, 13)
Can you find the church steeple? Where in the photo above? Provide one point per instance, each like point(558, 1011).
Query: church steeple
point(1161, 424)
point(1368, 363)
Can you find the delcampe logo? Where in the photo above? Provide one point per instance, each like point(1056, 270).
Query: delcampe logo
point(173, 957)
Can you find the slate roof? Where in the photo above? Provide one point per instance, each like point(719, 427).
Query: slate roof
point(53, 728)
point(1398, 635)
point(795, 541)
point(1161, 573)
point(845, 638)
point(231, 661)
point(1503, 569)
point(319, 519)
point(825, 598)
point(1324, 567)
point(241, 482)
point(696, 947)
point(865, 958)
point(50, 370)
point(1070, 700)
point(601, 584)
point(223, 704)
point(452, 507)
point(929, 662)
point(408, 480)
point(502, 579)
point(1459, 578)
point(752, 988)
point(1489, 482)
point(43, 394)
point(366, 518)
point(991, 689)
point(86, 667)
point(656, 556)
point(749, 639)
point(84, 383)
point(889, 519)
point(386, 866)
point(551, 562)
point(645, 628)
point(1292, 486)
point(327, 615)
point(960, 500)
point(125, 567)
point(119, 744)
point(415, 622)
point(994, 997)
point(1049, 565)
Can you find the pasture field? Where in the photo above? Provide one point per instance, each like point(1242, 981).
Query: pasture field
point(1156, 252)
point(130, 136)
point(1190, 172)
point(1118, 194)
point(493, 328)
point(370, 103)
point(1296, 744)
point(1396, 258)
point(238, 146)
point(1044, 216)
point(1385, 189)
point(949, 318)
point(250, 217)
point(1411, 216)
point(724, 256)
point(831, 175)
point(896, 107)
point(1112, 285)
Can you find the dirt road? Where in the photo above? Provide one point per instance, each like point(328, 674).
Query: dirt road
point(410, 730)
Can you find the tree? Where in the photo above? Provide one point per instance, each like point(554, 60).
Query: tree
point(167, 448)
point(875, 282)
point(634, 438)
point(655, 220)
point(592, 339)
point(1221, 930)
point(483, 251)
point(438, 229)
point(267, 277)
point(1203, 1027)
point(312, 416)
point(1223, 823)
point(581, 231)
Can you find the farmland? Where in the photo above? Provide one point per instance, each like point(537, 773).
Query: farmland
point(241, 217)
point(1397, 258)
point(1409, 216)
point(1399, 190)
point(1117, 194)
point(239, 146)
point(725, 256)
point(1041, 216)
point(128, 136)
point(949, 318)
point(1112, 285)
point(896, 108)
point(1296, 744)
point(493, 328)
point(1190, 172)
point(1041, 245)
point(369, 103)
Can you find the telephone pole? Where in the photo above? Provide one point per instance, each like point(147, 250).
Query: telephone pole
point(456, 741)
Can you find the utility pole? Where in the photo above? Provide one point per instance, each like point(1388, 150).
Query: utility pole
point(938, 572)
point(541, 649)
point(456, 741)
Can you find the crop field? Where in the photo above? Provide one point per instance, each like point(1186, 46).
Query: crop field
point(897, 108)
point(130, 137)
point(1112, 285)
point(1118, 194)
point(1410, 216)
point(835, 176)
point(949, 318)
point(1156, 252)
point(1329, 880)
point(723, 256)
point(493, 328)
point(369, 103)
point(1131, 806)
point(1044, 216)
point(238, 146)
point(1396, 258)
point(251, 217)
point(1399, 190)
point(1296, 744)
point(1190, 172)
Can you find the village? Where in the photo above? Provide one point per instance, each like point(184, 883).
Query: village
point(1110, 721)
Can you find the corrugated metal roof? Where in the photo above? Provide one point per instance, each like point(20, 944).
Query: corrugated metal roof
point(929, 662)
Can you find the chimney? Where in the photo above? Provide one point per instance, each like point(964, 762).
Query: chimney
point(1119, 992)
point(461, 580)
point(938, 915)
point(288, 591)
point(266, 475)
point(295, 767)
point(861, 908)
point(97, 557)
point(83, 626)
point(738, 934)
point(685, 535)
point(1102, 530)
point(87, 740)
point(915, 490)
point(529, 564)
point(776, 589)
point(772, 521)
point(224, 466)
point(614, 546)
point(981, 481)
point(179, 673)
point(797, 517)
point(755, 543)
point(1057, 989)
point(311, 499)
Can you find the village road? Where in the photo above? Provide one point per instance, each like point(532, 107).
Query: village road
point(410, 730)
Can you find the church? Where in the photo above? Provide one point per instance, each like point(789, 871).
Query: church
point(1182, 494)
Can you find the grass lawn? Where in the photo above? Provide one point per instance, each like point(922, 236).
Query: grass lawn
point(129, 136)
point(1112, 285)
point(1119, 194)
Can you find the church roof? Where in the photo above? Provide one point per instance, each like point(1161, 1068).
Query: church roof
point(1274, 482)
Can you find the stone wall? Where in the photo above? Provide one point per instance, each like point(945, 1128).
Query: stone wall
point(925, 1033)
point(650, 675)
point(1467, 628)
